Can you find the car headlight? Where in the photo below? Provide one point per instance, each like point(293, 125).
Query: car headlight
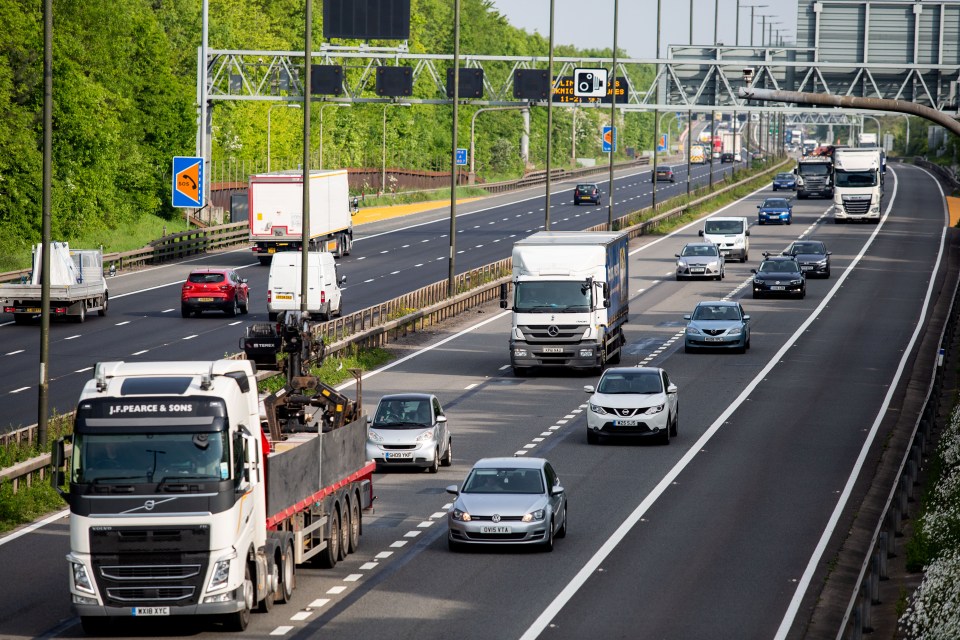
point(652, 411)
point(598, 409)
point(426, 436)
point(735, 331)
point(534, 516)
point(461, 515)
point(681, 264)
point(221, 574)
point(797, 281)
point(373, 436)
point(81, 579)
point(757, 281)
point(693, 331)
point(822, 263)
point(714, 265)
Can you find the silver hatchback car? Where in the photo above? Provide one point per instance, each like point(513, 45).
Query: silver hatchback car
point(508, 501)
point(410, 429)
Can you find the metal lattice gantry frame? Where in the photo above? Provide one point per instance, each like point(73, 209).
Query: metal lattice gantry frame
point(698, 78)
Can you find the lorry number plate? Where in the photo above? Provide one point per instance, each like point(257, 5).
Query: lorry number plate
point(500, 529)
point(151, 611)
point(553, 349)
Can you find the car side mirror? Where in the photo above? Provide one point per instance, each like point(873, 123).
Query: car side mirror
point(343, 280)
point(746, 318)
point(441, 419)
point(759, 205)
point(243, 280)
point(829, 253)
point(671, 388)
point(589, 388)
point(748, 232)
point(753, 270)
point(556, 490)
point(686, 316)
point(453, 489)
point(676, 255)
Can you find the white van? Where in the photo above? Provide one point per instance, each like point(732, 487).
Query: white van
point(324, 298)
point(731, 235)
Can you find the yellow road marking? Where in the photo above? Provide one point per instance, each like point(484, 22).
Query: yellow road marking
point(373, 214)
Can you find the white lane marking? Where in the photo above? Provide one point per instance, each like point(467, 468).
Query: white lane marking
point(192, 337)
point(425, 524)
point(20, 389)
point(367, 566)
point(405, 246)
point(398, 544)
point(120, 324)
point(427, 240)
point(411, 534)
point(520, 453)
point(72, 337)
point(140, 353)
point(84, 369)
point(439, 514)
point(125, 294)
point(366, 281)
point(282, 630)
point(353, 577)
point(418, 265)
point(470, 386)
point(316, 604)
point(547, 433)
point(393, 273)
point(529, 446)
point(382, 252)
point(13, 353)
point(591, 566)
point(337, 589)
point(233, 324)
point(503, 368)
point(383, 555)
point(300, 616)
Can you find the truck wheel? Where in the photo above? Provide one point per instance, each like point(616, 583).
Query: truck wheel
point(95, 626)
point(349, 244)
point(103, 310)
point(264, 260)
point(241, 619)
point(288, 576)
point(80, 317)
point(331, 554)
point(273, 585)
point(21, 318)
point(355, 524)
point(345, 533)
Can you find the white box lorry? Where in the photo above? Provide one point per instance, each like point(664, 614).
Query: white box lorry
point(570, 300)
point(77, 285)
point(858, 184)
point(324, 296)
point(182, 503)
point(275, 204)
point(731, 234)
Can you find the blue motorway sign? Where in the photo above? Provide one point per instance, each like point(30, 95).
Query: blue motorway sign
point(188, 188)
point(461, 156)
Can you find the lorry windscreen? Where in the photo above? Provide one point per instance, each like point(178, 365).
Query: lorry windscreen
point(723, 227)
point(552, 296)
point(124, 458)
point(813, 168)
point(856, 178)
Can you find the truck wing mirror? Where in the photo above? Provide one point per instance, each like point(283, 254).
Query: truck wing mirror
point(606, 295)
point(503, 295)
point(700, 233)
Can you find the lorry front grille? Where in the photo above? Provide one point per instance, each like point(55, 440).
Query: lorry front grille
point(140, 595)
point(856, 206)
point(553, 333)
point(149, 572)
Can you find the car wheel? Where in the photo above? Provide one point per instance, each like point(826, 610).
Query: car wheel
point(757, 295)
point(744, 258)
point(448, 457)
point(676, 423)
point(245, 307)
point(718, 277)
point(184, 312)
point(562, 531)
point(827, 274)
point(576, 203)
point(789, 221)
point(592, 437)
point(665, 435)
point(679, 277)
point(748, 341)
point(774, 188)
point(233, 309)
point(548, 543)
point(435, 465)
point(803, 293)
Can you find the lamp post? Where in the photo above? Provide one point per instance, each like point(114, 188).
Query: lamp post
point(546, 206)
point(906, 143)
point(383, 170)
point(322, 107)
point(613, 115)
point(473, 122)
point(753, 22)
point(288, 105)
point(656, 126)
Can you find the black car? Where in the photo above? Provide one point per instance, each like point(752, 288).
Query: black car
point(813, 257)
point(586, 193)
point(726, 157)
point(779, 275)
point(663, 173)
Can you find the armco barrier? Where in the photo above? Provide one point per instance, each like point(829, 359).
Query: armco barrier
point(380, 324)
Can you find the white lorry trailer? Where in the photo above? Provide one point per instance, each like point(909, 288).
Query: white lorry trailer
point(570, 300)
point(858, 184)
point(182, 503)
point(275, 203)
point(77, 285)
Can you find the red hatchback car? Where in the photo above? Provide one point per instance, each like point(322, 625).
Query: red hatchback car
point(216, 289)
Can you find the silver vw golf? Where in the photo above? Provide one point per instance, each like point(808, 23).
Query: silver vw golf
point(508, 501)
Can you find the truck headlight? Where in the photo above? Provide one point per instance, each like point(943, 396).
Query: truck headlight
point(81, 579)
point(519, 353)
point(586, 353)
point(221, 574)
point(875, 208)
point(799, 182)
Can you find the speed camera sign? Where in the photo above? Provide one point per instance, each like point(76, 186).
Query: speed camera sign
point(589, 83)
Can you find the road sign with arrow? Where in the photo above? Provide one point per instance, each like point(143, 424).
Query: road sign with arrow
point(188, 182)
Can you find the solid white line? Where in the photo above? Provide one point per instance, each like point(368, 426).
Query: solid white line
point(815, 559)
point(33, 527)
point(82, 370)
point(591, 566)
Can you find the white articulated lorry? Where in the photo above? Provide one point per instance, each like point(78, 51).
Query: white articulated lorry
point(182, 504)
point(275, 203)
point(77, 285)
point(570, 300)
point(858, 184)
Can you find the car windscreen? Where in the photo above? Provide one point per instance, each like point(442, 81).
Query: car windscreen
point(779, 266)
point(716, 312)
point(807, 247)
point(206, 278)
point(775, 203)
point(723, 226)
point(405, 413)
point(586, 187)
point(784, 176)
point(699, 250)
point(630, 382)
point(503, 480)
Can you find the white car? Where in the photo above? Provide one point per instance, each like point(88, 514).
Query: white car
point(409, 430)
point(633, 401)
